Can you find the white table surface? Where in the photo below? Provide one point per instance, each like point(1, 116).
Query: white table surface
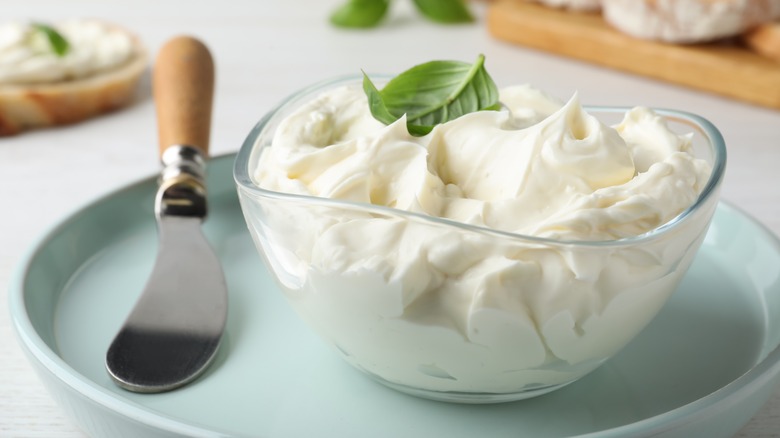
point(264, 50)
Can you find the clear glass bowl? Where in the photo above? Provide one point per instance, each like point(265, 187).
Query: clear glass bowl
point(513, 343)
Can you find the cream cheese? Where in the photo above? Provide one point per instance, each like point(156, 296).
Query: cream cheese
point(541, 168)
point(26, 58)
point(447, 309)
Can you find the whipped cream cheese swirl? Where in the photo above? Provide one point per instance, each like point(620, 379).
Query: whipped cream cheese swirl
point(449, 309)
point(542, 168)
point(26, 58)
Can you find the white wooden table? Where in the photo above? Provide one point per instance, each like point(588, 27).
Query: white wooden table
point(265, 50)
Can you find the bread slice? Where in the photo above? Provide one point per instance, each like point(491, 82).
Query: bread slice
point(688, 21)
point(765, 39)
point(27, 106)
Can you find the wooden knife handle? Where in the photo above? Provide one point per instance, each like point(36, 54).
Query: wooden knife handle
point(183, 88)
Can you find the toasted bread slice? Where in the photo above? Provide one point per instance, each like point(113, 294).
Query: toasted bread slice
point(688, 21)
point(27, 106)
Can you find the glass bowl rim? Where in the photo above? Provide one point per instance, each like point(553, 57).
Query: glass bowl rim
point(244, 181)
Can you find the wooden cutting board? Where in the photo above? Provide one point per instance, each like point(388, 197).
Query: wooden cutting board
point(728, 70)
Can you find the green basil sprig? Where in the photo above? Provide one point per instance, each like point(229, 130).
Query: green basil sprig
point(360, 13)
point(433, 93)
point(369, 13)
point(59, 45)
point(445, 11)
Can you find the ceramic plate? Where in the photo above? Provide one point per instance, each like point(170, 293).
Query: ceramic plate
point(702, 368)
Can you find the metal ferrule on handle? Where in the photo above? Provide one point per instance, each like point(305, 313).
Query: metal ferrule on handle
point(182, 190)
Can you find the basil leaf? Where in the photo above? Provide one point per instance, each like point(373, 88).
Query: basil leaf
point(360, 13)
point(433, 93)
point(445, 11)
point(375, 102)
point(59, 45)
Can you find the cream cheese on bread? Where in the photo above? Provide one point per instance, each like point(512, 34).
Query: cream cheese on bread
point(94, 47)
point(40, 87)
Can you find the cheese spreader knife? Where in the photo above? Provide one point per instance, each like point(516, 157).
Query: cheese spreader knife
point(173, 332)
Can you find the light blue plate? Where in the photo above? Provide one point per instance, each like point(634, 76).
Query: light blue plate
point(702, 368)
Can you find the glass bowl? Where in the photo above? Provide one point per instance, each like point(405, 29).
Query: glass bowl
point(511, 336)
